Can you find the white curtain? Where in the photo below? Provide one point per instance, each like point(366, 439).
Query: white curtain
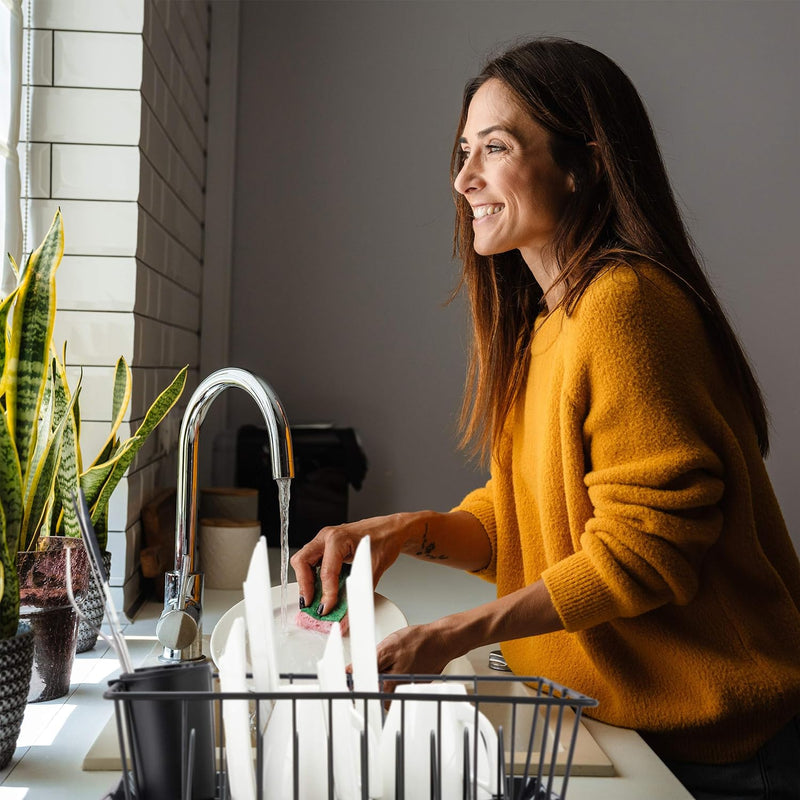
point(10, 96)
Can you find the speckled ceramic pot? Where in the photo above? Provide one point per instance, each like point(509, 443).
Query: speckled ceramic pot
point(44, 603)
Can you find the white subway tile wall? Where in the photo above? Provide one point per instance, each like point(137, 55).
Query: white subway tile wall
point(91, 227)
point(114, 133)
point(97, 60)
point(95, 172)
point(97, 283)
point(123, 16)
point(82, 116)
point(97, 338)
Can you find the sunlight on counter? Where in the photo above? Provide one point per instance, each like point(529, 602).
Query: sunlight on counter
point(43, 723)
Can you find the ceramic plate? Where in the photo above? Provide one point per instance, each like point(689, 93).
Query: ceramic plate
point(298, 650)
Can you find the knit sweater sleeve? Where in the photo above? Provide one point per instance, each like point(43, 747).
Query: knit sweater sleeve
point(480, 504)
point(641, 399)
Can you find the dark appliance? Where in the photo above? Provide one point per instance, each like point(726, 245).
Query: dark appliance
point(327, 461)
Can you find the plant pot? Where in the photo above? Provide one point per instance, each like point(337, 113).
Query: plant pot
point(93, 607)
point(16, 657)
point(44, 603)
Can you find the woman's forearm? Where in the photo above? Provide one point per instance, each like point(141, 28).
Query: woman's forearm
point(456, 539)
point(527, 612)
point(427, 649)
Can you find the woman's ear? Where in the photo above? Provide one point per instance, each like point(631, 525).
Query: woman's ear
point(598, 166)
point(573, 181)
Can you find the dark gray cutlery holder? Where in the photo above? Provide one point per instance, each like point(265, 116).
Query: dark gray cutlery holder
point(171, 739)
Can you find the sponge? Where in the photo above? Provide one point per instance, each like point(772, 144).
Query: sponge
point(309, 618)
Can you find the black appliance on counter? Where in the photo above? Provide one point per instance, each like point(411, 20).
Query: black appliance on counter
point(327, 461)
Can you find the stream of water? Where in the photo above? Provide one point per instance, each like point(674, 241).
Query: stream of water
point(284, 485)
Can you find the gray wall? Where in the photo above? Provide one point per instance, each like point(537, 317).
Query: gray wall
point(343, 215)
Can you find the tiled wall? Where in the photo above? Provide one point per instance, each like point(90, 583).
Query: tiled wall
point(114, 132)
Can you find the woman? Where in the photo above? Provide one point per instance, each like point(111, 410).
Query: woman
point(639, 552)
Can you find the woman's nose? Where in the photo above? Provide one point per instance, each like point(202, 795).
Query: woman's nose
point(468, 177)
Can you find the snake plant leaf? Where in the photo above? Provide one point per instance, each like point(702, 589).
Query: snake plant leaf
point(120, 399)
point(50, 515)
point(50, 519)
point(42, 486)
point(14, 267)
point(76, 408)
point(76, 413)
point(10, 489)
point(94, 478)
point(121, 464)
point(67, 479)
point(107, 453)
point(122, 391)
point(27, 363)
point(5, 308)
point(155, 414)
point(102, 477)
point(44, 428)
point(100, 526)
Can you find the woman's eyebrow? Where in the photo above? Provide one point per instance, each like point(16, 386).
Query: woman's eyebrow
point(486, 131)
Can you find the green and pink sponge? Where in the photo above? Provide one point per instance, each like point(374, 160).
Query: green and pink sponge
point(311, 620)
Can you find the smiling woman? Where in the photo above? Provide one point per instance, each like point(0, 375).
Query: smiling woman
point(629, 522)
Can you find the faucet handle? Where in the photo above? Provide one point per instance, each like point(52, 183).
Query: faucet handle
point(176, 629)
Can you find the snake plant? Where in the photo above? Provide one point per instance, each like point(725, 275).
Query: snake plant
point(103, 475)
point(40, 455)
point(28, 455)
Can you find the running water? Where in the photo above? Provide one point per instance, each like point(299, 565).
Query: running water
point(283, 505)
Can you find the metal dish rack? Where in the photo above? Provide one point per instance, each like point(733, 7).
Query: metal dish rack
point(536, 721)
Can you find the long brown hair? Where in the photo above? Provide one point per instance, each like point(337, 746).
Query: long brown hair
point(623, 210)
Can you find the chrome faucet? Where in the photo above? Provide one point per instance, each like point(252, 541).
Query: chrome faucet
point(179, 629)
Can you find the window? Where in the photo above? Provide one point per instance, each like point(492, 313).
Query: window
point(10, 95)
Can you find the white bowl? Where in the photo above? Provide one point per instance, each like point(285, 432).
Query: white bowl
point(298, 649)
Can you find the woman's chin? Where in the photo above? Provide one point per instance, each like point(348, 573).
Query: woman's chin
point(485, 249)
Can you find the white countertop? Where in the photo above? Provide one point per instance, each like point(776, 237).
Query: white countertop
point(56, 735)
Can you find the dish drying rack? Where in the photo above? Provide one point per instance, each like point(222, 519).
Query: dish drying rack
point(536, 721)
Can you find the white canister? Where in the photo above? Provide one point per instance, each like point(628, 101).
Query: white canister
point(228, 502)
point(226, 546)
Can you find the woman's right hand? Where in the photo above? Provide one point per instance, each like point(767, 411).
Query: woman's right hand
point(336, 545)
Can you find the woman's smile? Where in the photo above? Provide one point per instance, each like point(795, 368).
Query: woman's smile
point(480, 212)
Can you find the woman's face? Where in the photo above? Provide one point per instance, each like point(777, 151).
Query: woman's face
point(508, 176)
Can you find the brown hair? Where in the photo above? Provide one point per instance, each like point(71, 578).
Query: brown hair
point(623, 210)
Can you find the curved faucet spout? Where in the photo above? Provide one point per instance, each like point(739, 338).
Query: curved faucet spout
point(183, 592)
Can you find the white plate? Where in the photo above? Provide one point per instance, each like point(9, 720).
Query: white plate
point(298, 649)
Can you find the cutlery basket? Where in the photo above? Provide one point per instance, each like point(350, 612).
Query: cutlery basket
point(526, 733)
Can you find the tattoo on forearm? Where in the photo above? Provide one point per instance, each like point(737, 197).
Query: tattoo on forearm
point(426, 548)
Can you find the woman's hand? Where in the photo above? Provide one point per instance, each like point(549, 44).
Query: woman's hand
point(455, 538)
point(418, 649)
point(427, 649)
point(336, 545)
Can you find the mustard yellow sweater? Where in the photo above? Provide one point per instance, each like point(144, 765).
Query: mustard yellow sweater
point(629, 478)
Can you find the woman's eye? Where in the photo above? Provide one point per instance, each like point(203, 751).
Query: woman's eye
point(495, 148)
